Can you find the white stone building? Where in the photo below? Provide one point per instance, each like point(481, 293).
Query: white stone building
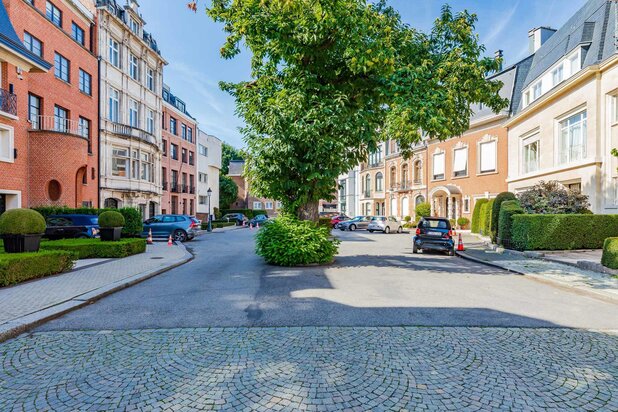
point(208, 170)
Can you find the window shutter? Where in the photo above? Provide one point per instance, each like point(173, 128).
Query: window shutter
point(438, 164)
point(461, 160)
point(488, 157)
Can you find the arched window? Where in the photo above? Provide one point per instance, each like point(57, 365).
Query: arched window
point(417, 172)
point(419, 200)
point(379, 182)
point(367, 185)
point(405, 180)
point(110, 203)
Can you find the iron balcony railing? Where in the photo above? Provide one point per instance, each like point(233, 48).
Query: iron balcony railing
point(175, 188)
point(192, 190)
point(8, 102)
point(133, 132)
point(185, 188)
point(59, 125)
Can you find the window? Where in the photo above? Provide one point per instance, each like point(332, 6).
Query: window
point(114, 105)
point(417, 172)
point(147, 167)
point(575, 187)
point(368, 185)
point(574, 64)
point(83, 127)
point(78, 34)
point(527, 98)
point(174, 151)
point(184, 155)
point(557, 75)
point(202, 177)
point(134, 164)
point(85, 82)
point(531, 155)
point(614, 108)
point(203, 200)
point(279, 205)
point(488, 157)
point(134, 26)
point(438, 166)
point(114, 52)
point(34, 110)
point(537, 90)
point(120, 162)
point(164, 148)
point(191, 158)
point(62, 67)
point(54, 14)
point(133, 67)
point(257, 205)
point(405, 181)
point(150, 80)
point(33, 44)
point(460, 162)
point(375, 158)
point(7, 142)
point(573, 136)
point(466, 205)
point(61, 119)
point(379, 182)
point(203, 150)
point(268, 205)
point(133, 113)
point(183, 132)
point(190, 134)
point(173, 128)
point(150, 122)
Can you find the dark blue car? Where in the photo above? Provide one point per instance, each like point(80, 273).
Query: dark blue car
point(72, 226)
point(434, 233)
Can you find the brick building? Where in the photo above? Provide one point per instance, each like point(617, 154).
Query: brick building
point(48, 115)
point(179, 163)
point(245, 199)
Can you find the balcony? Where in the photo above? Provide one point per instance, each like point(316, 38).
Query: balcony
point(175, 188)
point(58, 125)
point(185, 188)
point(8, 102)
point(133, 133)
point(192, 190)
point(401, 186)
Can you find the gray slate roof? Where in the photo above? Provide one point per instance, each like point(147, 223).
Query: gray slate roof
point(9, 38)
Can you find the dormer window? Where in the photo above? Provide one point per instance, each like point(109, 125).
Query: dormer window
point(537, 89)
point(574, 63)
point(557, 75)
point(134, 26)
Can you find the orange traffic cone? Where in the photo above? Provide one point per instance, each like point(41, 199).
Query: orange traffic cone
point(460, 245)
point(257, 225)
point(170, 242)
point(149, 238)
point(250, 226)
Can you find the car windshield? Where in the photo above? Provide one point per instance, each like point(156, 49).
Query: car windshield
point(436, 224)
point(378, 219)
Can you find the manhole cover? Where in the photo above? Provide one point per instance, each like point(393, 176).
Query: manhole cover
point(157, 257)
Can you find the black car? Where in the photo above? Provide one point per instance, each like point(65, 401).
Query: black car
point(434, 233)
point(72, 226)
point(239, 218)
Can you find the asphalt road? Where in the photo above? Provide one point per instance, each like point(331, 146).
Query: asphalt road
point(376, 281)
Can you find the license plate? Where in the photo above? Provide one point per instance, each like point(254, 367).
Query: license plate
point(433, 233)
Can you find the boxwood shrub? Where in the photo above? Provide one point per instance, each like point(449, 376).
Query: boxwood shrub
point(133, 226)
point(495, 213)
point(488, 218)
point(610, 253)
point(19, 267)
point(475, 226)
point(562, 232)
point(95, 248)
point(111, 219)
point(508, 209)
point(21, 222)
point(287, 241)
point(483, 217)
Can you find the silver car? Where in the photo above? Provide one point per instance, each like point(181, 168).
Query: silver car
point(359, 222)
point(385, 224)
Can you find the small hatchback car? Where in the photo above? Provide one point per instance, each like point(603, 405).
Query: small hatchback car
point(434, 233)
point(385, 224)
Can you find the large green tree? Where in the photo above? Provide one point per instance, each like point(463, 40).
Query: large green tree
point(331, 79)
point(228, 191)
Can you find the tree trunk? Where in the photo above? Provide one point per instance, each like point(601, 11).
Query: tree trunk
point(309, 211)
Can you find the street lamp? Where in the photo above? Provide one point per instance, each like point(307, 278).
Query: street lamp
point(209, 192)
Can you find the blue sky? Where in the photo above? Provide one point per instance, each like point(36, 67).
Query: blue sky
point(190, 43)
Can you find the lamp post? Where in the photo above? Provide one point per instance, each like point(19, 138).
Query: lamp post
point(209, 192)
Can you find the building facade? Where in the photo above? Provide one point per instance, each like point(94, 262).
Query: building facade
point(245, 199)
point(48, 104)
point(131, 72)
point(179, 164)
point(208, 171)
point(566, 122)
point(348, 193)
point(406, 181)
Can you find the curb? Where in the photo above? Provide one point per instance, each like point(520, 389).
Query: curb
point(21, 325)
point(484, 262)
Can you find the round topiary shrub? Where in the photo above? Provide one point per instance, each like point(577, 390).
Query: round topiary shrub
point(423, 210)
point(463, 222)
point(407, 219)
point(22, 222)
point(287, 241)
point(111, 219)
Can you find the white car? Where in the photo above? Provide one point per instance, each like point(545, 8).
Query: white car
point(385, 224)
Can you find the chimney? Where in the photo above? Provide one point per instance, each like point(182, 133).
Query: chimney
point(500, 55)
point(537, 37)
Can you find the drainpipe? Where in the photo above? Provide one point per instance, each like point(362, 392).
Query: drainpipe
point(99, 136)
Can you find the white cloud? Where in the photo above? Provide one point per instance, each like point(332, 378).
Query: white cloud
point(501, 24)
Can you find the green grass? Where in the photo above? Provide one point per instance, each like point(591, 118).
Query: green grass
point(95, 248)
point(19, 267)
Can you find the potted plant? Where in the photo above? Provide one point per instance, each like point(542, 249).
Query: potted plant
point(110, 225)
point(21, 230)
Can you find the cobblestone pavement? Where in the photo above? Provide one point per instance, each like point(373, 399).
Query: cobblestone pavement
point(316, 369)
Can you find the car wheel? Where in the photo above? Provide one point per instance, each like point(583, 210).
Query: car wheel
point(352, 228)
point(387, 230)
point(399, 229)
point(451, 252)
point(370, 231)
point(414, 248)
point(180, 235)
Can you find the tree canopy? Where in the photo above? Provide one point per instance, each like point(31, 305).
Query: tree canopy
point(331, 79)
point(228, 153)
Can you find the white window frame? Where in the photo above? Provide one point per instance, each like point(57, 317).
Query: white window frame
point(455, 168)
point(257, 205)
point(433, 167)
point(133, 67)
point(537, 87)
point(480, 156)
point(150, 83)
point(114, 52)
point(614, 109)
point(133, 113)
point(559, 130)
point(557, 75)
point(150, 121)
point(525, 142)
point(114, 105)
point(7, 132)
point(268, 205)
point(116, 155)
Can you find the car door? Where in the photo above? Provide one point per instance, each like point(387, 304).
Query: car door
point(168, 225)
point(363, 222)
point(154, 224)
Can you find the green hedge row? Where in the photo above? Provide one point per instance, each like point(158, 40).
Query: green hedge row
point(562, 232)
point(19, 267)
point(217, 225)
point(133, 226)
point(475, 226)
point(95, 248)
point(508, 209)
point(250, 213)
point(610, 253)
point(495, 213)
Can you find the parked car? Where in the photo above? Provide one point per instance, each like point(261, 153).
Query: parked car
point(434, 233)
point(72, 226)
point(385, 224)
point(359, 222)
point(181, 227)
point(335, 220)
point(259, 219)
point(239, 218)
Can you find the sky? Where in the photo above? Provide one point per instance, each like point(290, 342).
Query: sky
point(190, 42)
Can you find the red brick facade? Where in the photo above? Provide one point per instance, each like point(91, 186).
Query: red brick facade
point(55, 164)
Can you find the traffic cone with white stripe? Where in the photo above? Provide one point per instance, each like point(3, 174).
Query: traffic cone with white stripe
point(149, 238)
point(460, 245)
point(170, 242)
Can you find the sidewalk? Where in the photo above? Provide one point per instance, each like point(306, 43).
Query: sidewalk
point(25, 305)
point(552, 270)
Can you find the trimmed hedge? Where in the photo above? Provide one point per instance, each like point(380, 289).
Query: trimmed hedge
point(422, 210)
point(19, 267)
point(133, 226)
point(21, 222)
point(508, 209)
point(463, 222)
point(95, 248)
point(610, 253)
point(250, 213)
point(562, 232)
point(483, 218)
point(488, 218)
point(495, 213)
point(217, 225)
point(476, 216)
